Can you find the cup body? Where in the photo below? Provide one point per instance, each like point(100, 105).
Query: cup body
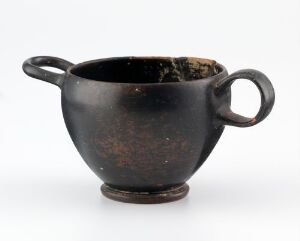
point(143, 136)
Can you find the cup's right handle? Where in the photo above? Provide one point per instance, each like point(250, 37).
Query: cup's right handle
point(227, 116)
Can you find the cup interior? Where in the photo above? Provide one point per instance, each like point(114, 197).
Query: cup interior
point(147, 69)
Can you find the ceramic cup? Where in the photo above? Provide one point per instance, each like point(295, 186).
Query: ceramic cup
point(144, 125)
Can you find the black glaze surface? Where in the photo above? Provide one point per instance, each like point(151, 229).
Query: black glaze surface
point(146, 124)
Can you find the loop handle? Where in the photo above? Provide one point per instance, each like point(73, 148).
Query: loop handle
point(267, 94)
point(32, 68)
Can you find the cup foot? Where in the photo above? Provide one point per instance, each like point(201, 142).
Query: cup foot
point(169, 195)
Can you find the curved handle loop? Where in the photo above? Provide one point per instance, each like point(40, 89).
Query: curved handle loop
point(32, 68)
point(267, 94)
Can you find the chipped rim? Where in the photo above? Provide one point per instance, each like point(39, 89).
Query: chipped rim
point(222, 73)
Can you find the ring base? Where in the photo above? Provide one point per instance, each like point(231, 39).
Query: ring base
point(169, 195)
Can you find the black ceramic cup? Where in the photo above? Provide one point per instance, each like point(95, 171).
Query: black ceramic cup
point(144, 125)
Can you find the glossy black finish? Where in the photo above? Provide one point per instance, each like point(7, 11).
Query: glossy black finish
point(145, 125)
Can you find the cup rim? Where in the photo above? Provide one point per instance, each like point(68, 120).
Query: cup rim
point(221, 73)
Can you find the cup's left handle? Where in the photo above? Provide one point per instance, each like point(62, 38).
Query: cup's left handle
point(32, 68)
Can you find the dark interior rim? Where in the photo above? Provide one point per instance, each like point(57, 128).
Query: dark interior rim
point(147, 70)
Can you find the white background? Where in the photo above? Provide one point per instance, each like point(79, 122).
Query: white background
point(248, 189)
